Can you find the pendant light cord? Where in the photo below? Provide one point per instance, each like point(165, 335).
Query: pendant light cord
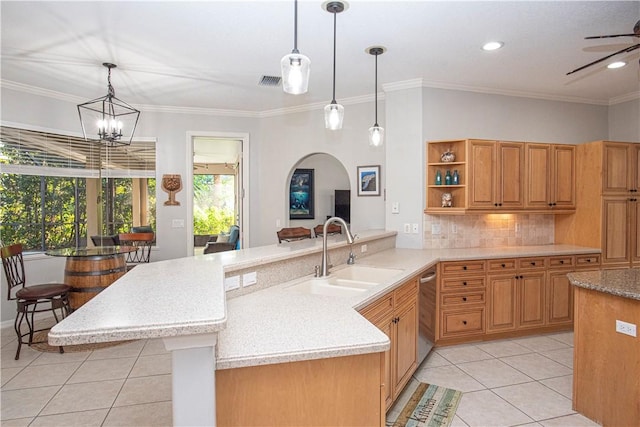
point(375, 91)
point(295, 27)
point(334, 58)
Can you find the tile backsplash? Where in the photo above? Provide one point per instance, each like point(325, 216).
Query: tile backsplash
point(486, 231)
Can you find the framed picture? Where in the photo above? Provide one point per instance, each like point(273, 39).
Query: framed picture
point(301, 195)
point(369, 180)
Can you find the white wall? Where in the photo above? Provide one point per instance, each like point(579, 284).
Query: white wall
point(624, 121)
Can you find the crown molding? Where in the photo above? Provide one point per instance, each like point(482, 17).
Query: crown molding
point(624, 98)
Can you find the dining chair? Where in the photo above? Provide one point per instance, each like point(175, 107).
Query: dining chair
point(31, 299)
point(331, 229)
point(293, 233)
point(142, 242)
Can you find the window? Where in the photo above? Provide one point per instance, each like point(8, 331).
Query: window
point(51, 188)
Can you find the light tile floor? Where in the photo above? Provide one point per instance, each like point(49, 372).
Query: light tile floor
point(524, 381)
point(512, 382)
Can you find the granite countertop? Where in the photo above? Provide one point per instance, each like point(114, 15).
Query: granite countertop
point(624, 282)
point(186, 297)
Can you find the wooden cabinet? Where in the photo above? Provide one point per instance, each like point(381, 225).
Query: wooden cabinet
point(460, 300)
point(515, 294)
point(496, 171)
point(607, 210)
point(502, 176)
point(550, 176)
point(396, 314)
point(435, 165)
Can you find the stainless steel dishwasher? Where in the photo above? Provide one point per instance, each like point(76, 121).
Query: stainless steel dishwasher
point(426, 313)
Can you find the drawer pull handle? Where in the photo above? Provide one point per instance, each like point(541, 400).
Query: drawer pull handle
point(464, 267)
point(561, 261)
point(464, 322)
point(503, 265)
point(533, 263)
point(588, 259)
point(464, 283)
point(464, 298)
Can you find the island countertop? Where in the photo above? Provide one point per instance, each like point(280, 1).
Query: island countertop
point(186, 296)
point(624, 282)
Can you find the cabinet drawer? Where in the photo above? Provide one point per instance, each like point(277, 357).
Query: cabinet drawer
point(463, 298)
point(497, 265)
point(379, 309)
point(590, 260)
point(450, 268)
point(405, 292)
point(562, 261)
point(531, 263)
point(460, 283)
point(462, 322)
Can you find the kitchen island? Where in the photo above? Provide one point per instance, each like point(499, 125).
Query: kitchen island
point(261, 323)
point(606, 376)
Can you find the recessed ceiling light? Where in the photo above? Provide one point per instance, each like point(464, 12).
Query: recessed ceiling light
point(492, 46)
point(617, 64)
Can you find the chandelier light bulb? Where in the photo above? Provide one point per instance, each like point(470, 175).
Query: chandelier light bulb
point(295, 73)
point(333, 116)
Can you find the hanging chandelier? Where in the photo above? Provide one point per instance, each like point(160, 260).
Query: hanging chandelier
point(376, 132)
point(295, 66)
point(113, 120)
point(334, 112)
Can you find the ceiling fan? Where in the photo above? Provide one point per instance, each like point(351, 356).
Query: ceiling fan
point(636, 33)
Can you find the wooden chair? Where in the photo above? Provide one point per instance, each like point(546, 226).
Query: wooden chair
point(31, 299)
point(293, 234)
point(142, 242)
point(331, 229)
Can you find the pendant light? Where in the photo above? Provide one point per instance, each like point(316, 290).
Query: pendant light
point(295, 66)
point(334, 112)
point(113, 120)
point(376, 133)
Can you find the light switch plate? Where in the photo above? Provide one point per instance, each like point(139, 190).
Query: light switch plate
point(395, 208)
point(249, 279)
point(177, 223)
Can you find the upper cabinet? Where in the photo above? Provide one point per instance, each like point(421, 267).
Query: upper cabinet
point(621, 172)
point(550, 176)
point(496, 172)
point(500, 176)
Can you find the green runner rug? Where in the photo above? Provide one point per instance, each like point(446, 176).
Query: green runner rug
point(429, 406)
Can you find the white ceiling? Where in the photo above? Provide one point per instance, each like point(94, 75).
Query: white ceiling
point(211, 54)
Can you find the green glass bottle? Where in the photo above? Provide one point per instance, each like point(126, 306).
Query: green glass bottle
point(447, 178)
point(438, 178)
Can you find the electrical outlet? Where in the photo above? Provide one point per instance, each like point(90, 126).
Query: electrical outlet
point(454, 228)
point(626, 328)
point(436, 229)
point(407, 228)
point(363, 248)
point(518, 228)
point(231, 283)
point(395, 208)
point(414, 228)
point(249, 279)
point(278, 223)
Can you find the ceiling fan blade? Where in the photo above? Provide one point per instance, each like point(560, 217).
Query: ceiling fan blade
point(627, 49)
point(611, 36)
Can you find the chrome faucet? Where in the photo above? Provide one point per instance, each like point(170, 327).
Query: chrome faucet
point(324, 269)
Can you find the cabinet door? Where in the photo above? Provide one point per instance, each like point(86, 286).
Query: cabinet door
point(406, 344)
point(510, 177)
point(387, 326)
point(482, 175)
point(559, 298)
point(531, 297)
point(563, 191)
point(538, 176)
point(616, 234)
point(635, 169)
point(634, 221)
point(501, 303)
point(617, 165)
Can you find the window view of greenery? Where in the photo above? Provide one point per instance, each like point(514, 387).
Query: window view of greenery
point(43, 189)
point(213, 204)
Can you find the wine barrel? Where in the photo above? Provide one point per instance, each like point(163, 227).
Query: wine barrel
point(87, 276)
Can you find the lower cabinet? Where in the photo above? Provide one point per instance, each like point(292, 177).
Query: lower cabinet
point(396, 314)
point(523, 296)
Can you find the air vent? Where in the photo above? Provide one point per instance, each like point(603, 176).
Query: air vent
point(269, 81)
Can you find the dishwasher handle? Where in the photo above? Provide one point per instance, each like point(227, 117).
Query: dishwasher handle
point(426, 279)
